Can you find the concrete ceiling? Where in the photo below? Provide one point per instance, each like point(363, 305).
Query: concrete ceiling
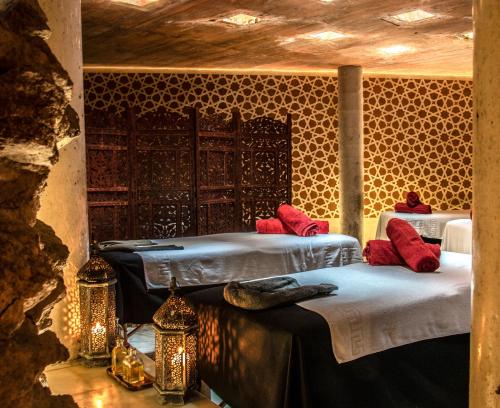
point(188, 34)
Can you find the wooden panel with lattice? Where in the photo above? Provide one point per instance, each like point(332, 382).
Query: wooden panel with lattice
point(164, 174)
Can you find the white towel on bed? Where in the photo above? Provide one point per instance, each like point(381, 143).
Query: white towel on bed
point(220, 258)
point(380, 307)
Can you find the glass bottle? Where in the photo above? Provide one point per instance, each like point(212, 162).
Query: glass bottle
point(117, 356)
point(133, 367)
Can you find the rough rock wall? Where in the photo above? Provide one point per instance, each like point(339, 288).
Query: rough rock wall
point(67, 179)
point(34, 116)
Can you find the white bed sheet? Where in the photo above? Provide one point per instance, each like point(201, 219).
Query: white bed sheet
point(427, 225)
point(220, 258)
point(457, 236)
point(380, 307)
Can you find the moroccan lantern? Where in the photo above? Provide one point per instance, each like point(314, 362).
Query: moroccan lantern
point(96, 282)
point(175, 326)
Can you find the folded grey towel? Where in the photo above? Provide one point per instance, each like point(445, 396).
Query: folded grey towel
point(140, 245)
point(267, 293)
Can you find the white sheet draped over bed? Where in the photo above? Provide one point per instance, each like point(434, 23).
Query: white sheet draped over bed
point(380, 307)
point(427, 225)
point(457, 236)
point(220, 258)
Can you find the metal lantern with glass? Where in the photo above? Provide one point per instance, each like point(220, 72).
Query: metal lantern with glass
point(96, 282)
point(175, 326)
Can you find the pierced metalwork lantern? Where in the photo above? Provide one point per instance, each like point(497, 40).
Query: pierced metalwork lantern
point(175, 326)
point(96, 282)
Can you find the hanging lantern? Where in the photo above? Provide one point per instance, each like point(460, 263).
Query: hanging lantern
point(96, 282)
point(175, 326)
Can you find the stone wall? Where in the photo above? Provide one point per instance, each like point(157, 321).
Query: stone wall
point(35, 116)
point(63, 203)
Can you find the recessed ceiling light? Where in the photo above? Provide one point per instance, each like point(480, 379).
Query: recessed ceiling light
point(396, 49)
point(138, 3)
point(468, 35)
point(241, 19)
point(326, 1)
point(410, 17)
point(323, 36)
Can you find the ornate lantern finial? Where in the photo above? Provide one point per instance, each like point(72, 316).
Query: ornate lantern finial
point(96, 282)
point(175, 325)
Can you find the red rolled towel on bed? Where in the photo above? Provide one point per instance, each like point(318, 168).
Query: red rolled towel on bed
point(411, 247)
point(276, 226)
point(272, 226)
point(297, 221)
point(412, 199)
point(418, 209)
point(382, 252)
point(324, 226)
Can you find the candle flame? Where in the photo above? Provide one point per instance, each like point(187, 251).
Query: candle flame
point(98, 329)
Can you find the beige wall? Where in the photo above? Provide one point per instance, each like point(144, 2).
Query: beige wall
point(63, 203)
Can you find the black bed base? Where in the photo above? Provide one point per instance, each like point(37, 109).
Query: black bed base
point(282, 358)
point(135, 304)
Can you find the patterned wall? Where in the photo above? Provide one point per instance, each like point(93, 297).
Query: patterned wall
point(417, 132)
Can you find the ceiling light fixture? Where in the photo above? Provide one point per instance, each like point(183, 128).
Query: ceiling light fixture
point(396, 50)
point(323, 36)
point(468, 35)
point(241, 19)
point(410, 17)
point(138, 3)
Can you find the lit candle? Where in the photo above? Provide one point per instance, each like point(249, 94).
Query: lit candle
point(179, 366)
point(99, 337)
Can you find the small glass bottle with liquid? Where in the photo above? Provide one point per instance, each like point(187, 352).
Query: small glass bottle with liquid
point(117, 356)
point(133, 367)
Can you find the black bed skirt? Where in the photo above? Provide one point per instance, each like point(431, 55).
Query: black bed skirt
point(282, 358)
point(134, 303)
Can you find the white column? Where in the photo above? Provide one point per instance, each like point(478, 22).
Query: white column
point(351, 150)
point(485, 342)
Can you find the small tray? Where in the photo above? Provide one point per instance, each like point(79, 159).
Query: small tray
point(148, 381)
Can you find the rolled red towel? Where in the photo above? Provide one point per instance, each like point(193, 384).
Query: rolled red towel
point(412, 199)
point(411, 247)
point(382, 252)
point(297, 221)
point(324, 226)
point(418, 209)
point(271, 226)
point(276, 226)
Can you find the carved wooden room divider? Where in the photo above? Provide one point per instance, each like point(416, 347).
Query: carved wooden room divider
point(163, 174)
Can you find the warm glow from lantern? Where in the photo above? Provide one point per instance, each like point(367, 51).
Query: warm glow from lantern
point(175, 328)
point(96, 282)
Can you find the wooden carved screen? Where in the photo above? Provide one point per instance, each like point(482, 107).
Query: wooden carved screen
point(217, 175)
point(108, 161)
point(266, 179)
point(162, 174)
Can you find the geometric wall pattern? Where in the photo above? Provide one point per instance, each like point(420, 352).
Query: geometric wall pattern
point(418, 136)
point(417, 131)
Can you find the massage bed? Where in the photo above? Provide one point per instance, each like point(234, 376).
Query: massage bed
point(430, 226)
point(457, 236)
point(144, 276)
point(389, 338)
